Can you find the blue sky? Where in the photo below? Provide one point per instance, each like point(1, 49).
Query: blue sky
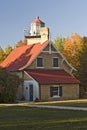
point(63, 17)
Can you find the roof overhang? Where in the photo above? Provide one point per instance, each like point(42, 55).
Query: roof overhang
point(47, 76)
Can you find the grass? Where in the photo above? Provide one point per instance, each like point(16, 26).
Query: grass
point(27, 118)
point(70, 103)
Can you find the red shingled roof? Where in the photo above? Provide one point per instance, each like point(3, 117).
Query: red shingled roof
point(37, 20)
point(22, 56)
point(47, 76)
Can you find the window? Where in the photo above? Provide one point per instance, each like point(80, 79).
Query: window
point(56, 91)
point(26, 88)
point(39, 62)
point(55, 62)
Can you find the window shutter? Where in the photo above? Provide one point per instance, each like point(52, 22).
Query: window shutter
point(51, 91)
point(60, 90)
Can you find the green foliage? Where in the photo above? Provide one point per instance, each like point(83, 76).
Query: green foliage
point(1, 55)
point(58, 41)
point(21, 43)
point(8, 86)
point(82, 74)
point(7, 51)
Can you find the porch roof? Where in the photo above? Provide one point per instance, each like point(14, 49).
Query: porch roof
point(48, 76)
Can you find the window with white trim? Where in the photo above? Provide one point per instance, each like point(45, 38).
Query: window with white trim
point(39, 62)
point(55, 91)
point(55, 62)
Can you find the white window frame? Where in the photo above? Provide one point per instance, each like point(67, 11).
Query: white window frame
point(56, 96)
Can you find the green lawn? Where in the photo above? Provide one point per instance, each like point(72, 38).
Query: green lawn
point(26, 118)
point(70, 103)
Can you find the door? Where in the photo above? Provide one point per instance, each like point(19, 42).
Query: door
point(31, 92)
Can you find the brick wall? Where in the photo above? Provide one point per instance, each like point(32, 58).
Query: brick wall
point(48, 62)
point(69, 91)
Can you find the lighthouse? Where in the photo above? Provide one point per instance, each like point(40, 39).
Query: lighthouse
point(38, 32)
point(35, 27)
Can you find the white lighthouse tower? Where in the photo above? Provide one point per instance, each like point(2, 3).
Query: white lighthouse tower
point(38, 32)
point(35, 27)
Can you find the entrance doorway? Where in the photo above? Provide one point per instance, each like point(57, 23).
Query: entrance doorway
point(31, 92)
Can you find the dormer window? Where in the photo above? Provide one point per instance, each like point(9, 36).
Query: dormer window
point(55, 62)
point(39, 62)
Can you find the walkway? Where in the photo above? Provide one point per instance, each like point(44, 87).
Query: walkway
point(59, 107)
point(45, 106)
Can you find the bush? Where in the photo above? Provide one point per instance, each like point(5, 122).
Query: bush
point(8, 86)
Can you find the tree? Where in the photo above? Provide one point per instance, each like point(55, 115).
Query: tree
point(71, 49)
point(21, 43)
point(1, 55)
point(7, 51)
point(8, 86)
point(58, 41)
point(82, 73)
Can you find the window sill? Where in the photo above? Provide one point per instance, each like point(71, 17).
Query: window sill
point(56, 97)
point(56, 67)
point(40, 67)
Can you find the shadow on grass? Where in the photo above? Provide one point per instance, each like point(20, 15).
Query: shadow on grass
point(27, 118)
